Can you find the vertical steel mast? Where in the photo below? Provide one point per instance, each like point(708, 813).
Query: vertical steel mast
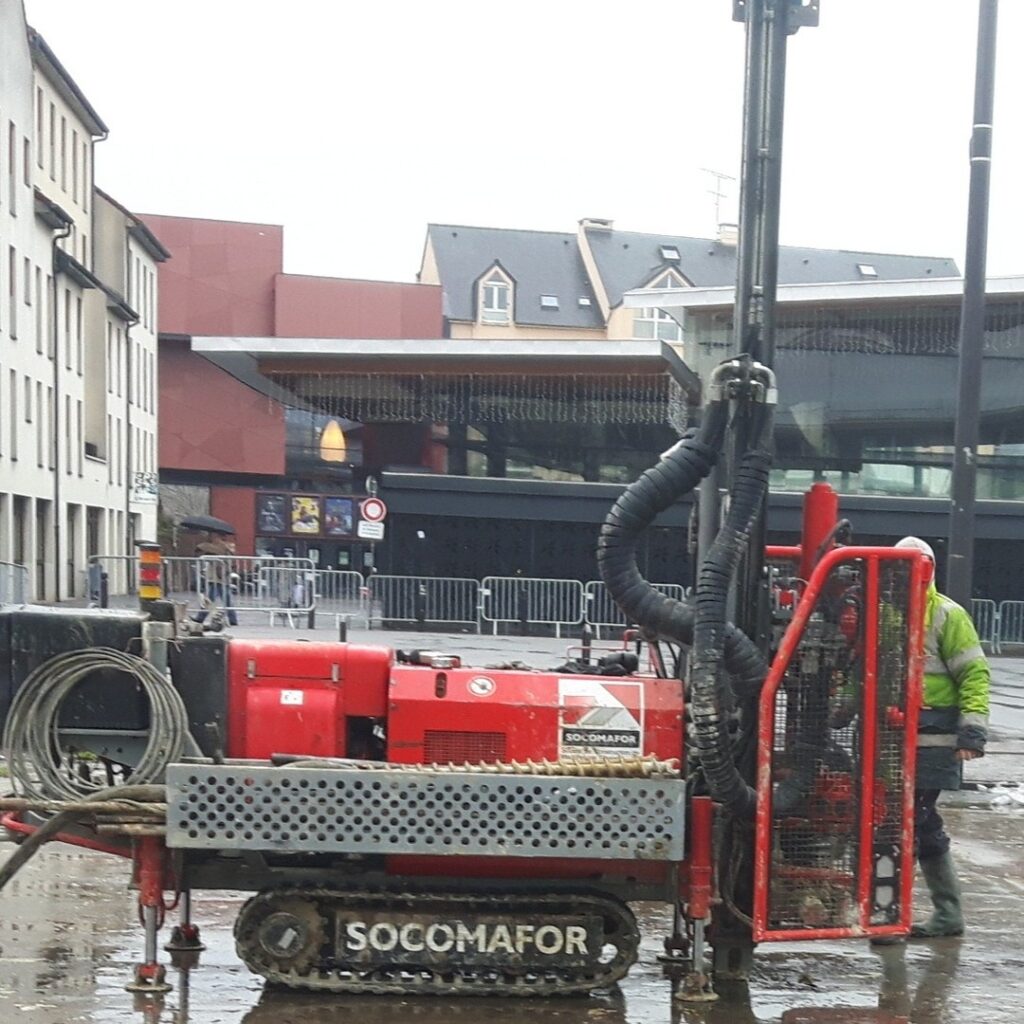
point(769, 23)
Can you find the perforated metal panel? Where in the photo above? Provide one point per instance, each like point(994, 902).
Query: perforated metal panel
point(423, 812)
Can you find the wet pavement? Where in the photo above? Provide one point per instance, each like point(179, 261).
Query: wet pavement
point(68, 941)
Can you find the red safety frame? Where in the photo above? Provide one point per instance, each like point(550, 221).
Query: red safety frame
point(920, 575)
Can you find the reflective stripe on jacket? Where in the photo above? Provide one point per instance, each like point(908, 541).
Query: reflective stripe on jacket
point(956, 679)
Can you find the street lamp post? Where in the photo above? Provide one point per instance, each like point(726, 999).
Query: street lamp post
point(960, 571)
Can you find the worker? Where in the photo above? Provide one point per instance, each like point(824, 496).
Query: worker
point(953, 728)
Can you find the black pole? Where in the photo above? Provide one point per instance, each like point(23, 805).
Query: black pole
point(960, 572)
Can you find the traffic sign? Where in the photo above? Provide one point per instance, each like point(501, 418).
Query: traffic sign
point(370, 531)
point(373, 510)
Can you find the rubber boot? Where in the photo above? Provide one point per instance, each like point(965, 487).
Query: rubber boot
point(944, 888)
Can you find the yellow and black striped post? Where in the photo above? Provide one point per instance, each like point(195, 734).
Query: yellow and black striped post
point(151, 582)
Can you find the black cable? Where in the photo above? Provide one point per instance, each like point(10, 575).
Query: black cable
point(32, 741)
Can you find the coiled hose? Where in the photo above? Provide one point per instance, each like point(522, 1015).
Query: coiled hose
point(678, 472)
point(711, 696)
point(31, 739)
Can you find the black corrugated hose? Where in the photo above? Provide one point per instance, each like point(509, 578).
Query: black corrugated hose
point(678, 472)
point(711, 700)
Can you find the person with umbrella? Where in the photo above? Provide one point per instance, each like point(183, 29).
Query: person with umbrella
point(218, 547)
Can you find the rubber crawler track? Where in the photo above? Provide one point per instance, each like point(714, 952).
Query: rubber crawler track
point(323, 972)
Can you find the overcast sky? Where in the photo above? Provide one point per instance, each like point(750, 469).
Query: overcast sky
point(354, 124)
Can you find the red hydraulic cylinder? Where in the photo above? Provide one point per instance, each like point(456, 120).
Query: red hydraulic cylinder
point(821, 511)
point(702, 812)
point(150, 857)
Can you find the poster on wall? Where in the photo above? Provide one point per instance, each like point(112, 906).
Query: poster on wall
point(271, 513)
point(338, 514)
point(305, 514)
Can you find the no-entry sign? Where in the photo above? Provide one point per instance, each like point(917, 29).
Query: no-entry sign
point(373, 510)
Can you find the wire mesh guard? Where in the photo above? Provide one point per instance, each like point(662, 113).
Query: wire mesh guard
point(423, 812)
point(839, 744)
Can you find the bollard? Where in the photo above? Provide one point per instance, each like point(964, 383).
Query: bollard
point(586, 640)
point(523, 610)
point(342, 629)
point(421, 604)
point(104, 589)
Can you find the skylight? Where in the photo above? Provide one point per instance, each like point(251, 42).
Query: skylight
point(549, 302)
point(866, 270)
point(669, 253)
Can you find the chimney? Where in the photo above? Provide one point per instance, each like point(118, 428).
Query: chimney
point(729, 234)
point(596, 224)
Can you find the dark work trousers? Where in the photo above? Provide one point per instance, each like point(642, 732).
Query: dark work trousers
point(929, 832)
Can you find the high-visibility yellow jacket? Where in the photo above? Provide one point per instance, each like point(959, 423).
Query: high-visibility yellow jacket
point(954, 713)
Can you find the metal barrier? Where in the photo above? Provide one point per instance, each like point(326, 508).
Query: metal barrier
point(601, 612)
point(1011, 624)
point(247, 583)
point(111, 576)
point(341, 592)
point(423, 599)
point(531, 602)
point(987, 621)
point(14, 583)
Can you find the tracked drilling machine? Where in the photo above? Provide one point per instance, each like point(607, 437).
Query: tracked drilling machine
point(410, 824)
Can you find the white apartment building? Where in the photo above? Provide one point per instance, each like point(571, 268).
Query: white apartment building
point(78, 312)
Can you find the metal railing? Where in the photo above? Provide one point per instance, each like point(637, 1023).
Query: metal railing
point(1009, 625)
point(294, 586)
point(601, 611)
point(14, 583)
point(985, 614)
point(422, 600)
point(531, 602)
point(341, 592)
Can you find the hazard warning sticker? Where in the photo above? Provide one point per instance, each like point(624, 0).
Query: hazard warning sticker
point(599, 718)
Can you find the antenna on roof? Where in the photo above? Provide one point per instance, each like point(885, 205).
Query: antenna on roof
point(718, 192)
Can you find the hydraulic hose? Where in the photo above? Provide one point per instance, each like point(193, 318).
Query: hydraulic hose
point(66, 818)
point(676, 474)
point(711, 695)
point(32, 741)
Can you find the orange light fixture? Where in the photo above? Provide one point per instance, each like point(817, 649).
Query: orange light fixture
point(332, 443)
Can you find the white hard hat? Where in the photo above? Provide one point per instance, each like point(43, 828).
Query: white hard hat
point(918, 544)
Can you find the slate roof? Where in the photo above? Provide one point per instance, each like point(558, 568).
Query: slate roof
point(549, 263)
point(540, 263)
point(628, 259)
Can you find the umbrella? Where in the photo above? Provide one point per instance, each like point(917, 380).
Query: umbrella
point(209, 524)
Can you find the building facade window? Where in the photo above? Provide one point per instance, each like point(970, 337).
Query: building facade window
point(40, 426)
point(40, 114)
point(12, 167)
point(496, 298)
point(40, 324)
point(12, 401)
point(652, 323)
point(12, 290)
point(53, 143)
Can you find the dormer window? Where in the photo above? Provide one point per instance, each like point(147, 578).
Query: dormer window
point(651, 323)
point(496, 298)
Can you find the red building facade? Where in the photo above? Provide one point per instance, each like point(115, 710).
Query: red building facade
point(225, 439)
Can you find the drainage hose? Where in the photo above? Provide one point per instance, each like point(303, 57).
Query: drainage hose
point(678, 472)
point(32, 742)
point(711, 694)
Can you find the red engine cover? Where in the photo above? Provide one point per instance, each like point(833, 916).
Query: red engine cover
point(290, 697)
point(469, 714)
